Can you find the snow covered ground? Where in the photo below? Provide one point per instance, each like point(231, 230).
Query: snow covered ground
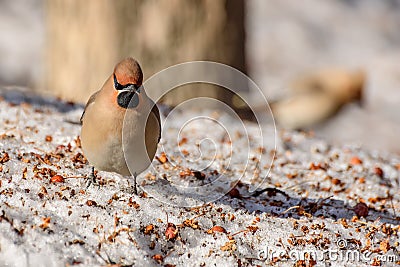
point(339, 204)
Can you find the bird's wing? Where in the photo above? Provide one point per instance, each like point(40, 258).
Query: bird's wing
point(156, 113)
point(152, 132)
point(90, 101)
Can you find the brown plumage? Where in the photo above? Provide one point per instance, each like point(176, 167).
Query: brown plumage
point(121, 124)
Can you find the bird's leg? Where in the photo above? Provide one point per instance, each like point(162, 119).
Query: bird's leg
point(92, 179)
point(134, 184)
point(131, 189)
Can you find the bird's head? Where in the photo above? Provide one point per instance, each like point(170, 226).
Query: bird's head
point(127, 82)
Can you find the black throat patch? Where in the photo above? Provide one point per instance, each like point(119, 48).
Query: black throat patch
point(128, 99)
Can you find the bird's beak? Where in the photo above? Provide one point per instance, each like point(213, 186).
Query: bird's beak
point(133, 88)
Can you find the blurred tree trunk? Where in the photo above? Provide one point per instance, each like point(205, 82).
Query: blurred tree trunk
point(85, 39)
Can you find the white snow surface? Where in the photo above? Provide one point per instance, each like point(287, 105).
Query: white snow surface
point(313, 188)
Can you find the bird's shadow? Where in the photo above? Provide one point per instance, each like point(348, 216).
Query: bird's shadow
point(19, 95)
point(277, 202)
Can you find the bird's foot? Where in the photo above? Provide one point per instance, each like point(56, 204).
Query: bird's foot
point(92, 180)
point(132, 189)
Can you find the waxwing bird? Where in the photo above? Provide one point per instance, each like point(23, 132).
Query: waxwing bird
point(121, 124)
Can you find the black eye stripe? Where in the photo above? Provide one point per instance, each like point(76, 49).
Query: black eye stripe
point(119, 86)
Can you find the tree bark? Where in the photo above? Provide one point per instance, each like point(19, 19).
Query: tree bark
point(85, 39)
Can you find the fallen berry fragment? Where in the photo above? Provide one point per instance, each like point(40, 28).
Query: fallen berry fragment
point(158, 258)
point(171, 231)
point(215, 229)
point(57, 179)
point(355, 161)
point(234, 193)
point(162, 158)
point(378, 171)
point(361, 210)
